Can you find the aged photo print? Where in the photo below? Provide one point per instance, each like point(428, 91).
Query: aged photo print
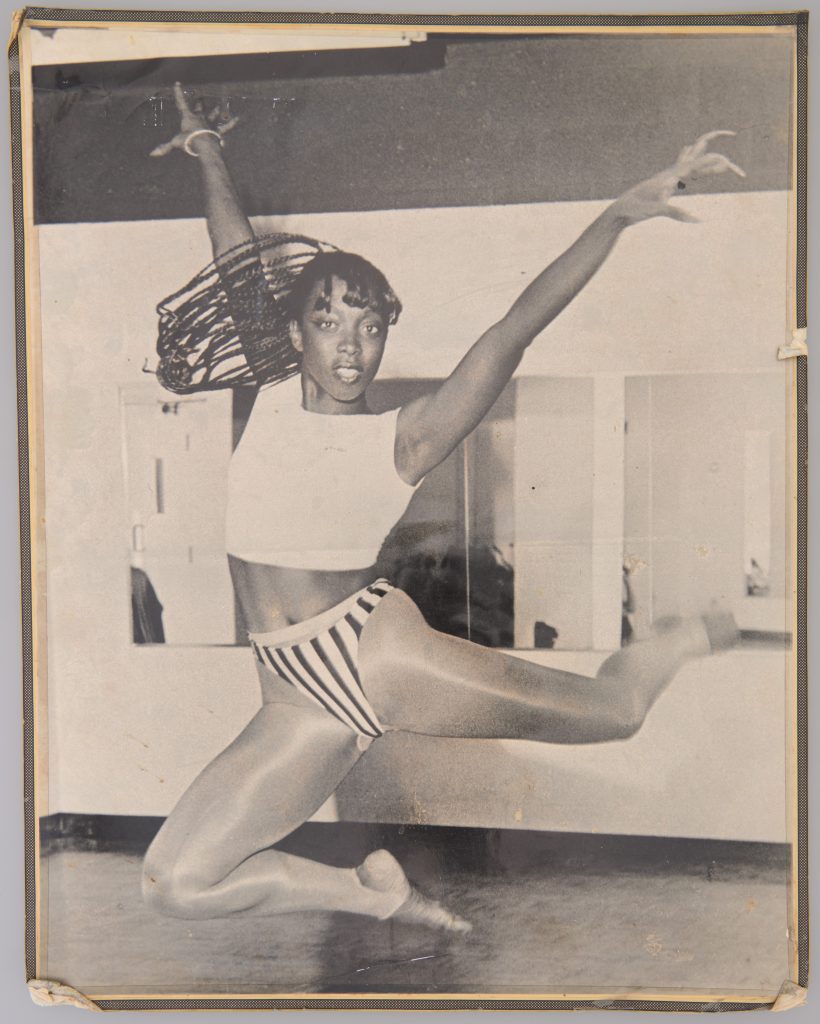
point(411, 411)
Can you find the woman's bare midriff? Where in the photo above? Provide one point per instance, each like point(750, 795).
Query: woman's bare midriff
point(273, 596)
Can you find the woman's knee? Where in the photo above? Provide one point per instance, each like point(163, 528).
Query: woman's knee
point(169, 890)
point(626, 716)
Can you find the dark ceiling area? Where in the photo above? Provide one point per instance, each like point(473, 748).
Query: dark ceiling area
point(449, 122)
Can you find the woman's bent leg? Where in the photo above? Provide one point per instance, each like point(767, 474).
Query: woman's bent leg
point(211, 858)
point(423, 681)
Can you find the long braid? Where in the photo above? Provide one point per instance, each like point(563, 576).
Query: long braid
point(229, 326)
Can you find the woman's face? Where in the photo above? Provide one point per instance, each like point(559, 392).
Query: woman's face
point(341, 346)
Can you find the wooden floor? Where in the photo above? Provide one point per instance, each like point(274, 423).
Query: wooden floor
point(549, 913)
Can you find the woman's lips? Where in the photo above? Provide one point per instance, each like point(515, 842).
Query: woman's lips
point(348, 374)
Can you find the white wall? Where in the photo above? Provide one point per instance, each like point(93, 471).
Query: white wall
point(129, 727)
point(672, 297)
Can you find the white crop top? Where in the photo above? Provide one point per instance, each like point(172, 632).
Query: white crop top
point(313, 491)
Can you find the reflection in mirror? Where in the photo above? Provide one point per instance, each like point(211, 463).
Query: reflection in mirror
point(578, 513)
point(552, 482)
point(451, 551)
point(704, 518)
point(176, 456)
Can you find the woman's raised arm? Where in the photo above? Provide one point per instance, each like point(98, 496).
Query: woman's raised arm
point(429, 428)
point(201, 137)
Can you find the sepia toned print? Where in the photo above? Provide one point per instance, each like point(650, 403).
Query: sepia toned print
point(415, 595)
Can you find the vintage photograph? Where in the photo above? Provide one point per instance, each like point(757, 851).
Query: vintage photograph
point(412, 439)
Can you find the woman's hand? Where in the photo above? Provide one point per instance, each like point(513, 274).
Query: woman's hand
point(201, 136)
point(651, 197)
point(193, 119)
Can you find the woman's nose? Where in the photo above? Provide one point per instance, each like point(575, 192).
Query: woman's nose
point(350, 342)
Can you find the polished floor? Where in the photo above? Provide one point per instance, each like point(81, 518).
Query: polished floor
point(550, 913)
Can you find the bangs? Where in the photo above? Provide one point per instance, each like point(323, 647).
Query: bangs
point(359, 293)
point(365, 286)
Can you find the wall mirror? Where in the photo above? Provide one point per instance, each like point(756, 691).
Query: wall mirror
point(578, 513)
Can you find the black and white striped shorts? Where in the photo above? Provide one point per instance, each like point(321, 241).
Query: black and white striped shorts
point(320, 658)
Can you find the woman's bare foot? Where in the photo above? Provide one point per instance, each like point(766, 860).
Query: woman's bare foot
point(381, 871)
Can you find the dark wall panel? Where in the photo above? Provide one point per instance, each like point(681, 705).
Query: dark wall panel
point(445, 123)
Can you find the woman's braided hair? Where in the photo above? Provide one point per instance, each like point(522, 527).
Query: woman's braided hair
point(230, 325)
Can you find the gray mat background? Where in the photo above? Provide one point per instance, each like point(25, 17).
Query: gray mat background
point(15, 1002)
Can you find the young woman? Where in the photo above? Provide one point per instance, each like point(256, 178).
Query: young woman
point(316, 483)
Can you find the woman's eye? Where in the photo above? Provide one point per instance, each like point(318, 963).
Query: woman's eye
point(373, 328)
point(327, 325)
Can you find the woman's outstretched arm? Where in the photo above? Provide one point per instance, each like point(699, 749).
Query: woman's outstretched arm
point(200, 136)
point(430, 427)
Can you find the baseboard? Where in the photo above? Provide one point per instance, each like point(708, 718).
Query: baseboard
point(489, 850)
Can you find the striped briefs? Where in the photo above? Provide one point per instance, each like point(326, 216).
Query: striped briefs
point(320, 657)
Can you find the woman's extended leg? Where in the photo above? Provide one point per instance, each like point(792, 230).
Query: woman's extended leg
point(423, 681)
point(212, 857)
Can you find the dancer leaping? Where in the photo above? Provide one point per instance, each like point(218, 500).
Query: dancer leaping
point(315, 485)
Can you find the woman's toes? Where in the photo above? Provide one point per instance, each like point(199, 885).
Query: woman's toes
point(381, 871)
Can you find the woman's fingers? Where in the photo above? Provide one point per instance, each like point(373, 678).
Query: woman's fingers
point(165, 148)
point(194, 119)
point(709, 163)
point(652, 197)
point(181, 100)
point(221, 120)
point(690, 156)
point(706, 163)
point(698, 147)
point(717, 163)
point(685, 155)
point(226, 126)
